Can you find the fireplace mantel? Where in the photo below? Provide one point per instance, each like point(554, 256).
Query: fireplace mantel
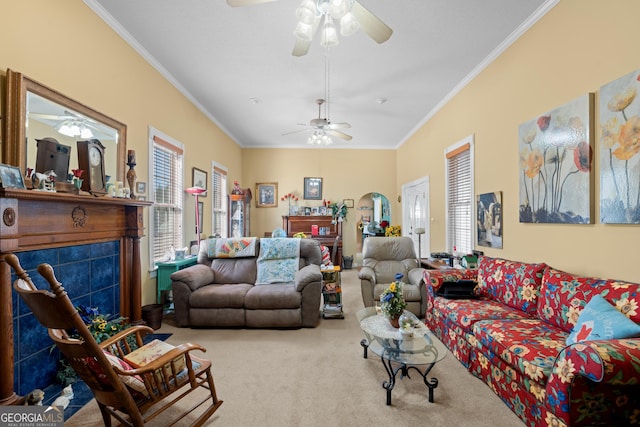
point(32, 220)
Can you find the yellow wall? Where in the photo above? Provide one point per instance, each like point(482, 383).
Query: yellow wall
point(577, 47)
point(66, 46)
point(346, 174)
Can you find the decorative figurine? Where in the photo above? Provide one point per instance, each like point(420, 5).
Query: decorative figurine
point(64, 398)
point(34, 398)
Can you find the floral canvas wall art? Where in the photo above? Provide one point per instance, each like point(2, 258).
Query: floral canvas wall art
point(555, 164)
point(619, 148)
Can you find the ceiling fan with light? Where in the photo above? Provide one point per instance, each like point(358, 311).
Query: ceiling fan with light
point(323, 129)
point(73, 125)
point(312, 14)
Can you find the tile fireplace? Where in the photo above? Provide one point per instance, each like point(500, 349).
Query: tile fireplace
point(93, 243)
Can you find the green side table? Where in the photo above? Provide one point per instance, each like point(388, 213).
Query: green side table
point(164, 273)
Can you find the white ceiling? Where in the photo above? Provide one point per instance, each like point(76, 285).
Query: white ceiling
point(224, 58)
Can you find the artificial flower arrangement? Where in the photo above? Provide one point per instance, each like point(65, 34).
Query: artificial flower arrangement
point(102, 327)
point(289, 197)
point(77, 178)
point(339, 211)
point(392, 301)
point(393, 231)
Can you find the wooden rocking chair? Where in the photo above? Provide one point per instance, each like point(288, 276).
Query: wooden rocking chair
point(132, 396)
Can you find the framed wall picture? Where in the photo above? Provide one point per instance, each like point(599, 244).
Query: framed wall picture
point(200, 180)
point(489, 221)
point(313, 188)
point(10, 177)
point(141, 187)
point(348, 203)
point(267, 194)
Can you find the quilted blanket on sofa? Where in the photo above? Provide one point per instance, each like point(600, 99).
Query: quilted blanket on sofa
point(234, 247)
point(278, 261)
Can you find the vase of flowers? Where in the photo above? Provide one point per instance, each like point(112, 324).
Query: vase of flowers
point(392, 301)
point(77, 179)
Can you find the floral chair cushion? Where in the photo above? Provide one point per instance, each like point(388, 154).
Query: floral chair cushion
point(563, 296)
point(513, 283)
point(132, 381)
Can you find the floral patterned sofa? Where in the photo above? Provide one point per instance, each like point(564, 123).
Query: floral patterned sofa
point(514, 338)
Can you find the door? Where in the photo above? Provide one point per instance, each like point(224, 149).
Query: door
point(415, 214)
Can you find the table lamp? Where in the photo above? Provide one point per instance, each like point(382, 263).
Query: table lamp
point(196, 191)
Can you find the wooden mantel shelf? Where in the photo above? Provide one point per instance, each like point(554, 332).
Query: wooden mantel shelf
point(36, 219)
point(32, 220)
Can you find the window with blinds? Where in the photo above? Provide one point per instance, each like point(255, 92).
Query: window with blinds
point(166, 186)
point(219, 200)
point(459, 170)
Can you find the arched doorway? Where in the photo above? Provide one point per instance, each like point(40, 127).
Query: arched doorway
point(371, 210)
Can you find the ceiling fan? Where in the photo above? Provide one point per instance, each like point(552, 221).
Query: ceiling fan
point(312, 13)
point(71, 124)
point(323, 129)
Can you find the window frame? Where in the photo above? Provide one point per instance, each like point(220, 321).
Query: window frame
point(457, 149)
point(218, 169)
point(157, 137)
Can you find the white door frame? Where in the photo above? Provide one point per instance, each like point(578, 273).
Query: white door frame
point(418, 189)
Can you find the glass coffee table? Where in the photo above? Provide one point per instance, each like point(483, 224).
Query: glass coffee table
point(419, 350)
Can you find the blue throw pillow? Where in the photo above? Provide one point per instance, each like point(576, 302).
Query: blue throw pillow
point(600, 320)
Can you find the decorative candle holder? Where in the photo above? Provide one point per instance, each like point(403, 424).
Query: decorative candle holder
point(131, 178)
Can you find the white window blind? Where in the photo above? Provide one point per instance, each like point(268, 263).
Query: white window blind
point(459, 199)
point(167, 197)
point(219, 200)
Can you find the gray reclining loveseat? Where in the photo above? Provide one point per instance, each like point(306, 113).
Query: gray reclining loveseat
point(251, 282)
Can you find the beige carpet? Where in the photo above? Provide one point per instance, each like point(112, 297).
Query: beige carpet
point(318, 377)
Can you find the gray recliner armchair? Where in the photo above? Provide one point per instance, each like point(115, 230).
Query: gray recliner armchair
point(383, 257)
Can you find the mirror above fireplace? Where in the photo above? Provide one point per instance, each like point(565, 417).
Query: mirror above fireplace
point(34, 111)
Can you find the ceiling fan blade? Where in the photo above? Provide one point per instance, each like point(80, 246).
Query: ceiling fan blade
point(337, 126)
point(371, 24)
point(50, 116)
point(339, 134)
point(295, 131)
point(240, 3)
